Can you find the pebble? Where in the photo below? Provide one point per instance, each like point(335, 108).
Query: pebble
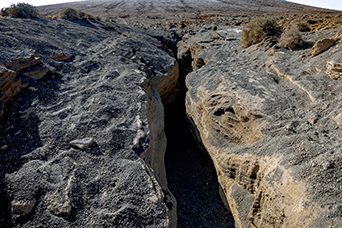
point(82, 143)
point(4, 147)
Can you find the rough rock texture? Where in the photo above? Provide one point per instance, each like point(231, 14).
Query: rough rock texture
point(106, 93)
point(323, 45)
point(271, 125)
point(10, 86)
point(334, 70)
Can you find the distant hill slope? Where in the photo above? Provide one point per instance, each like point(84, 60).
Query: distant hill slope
point(154, 11)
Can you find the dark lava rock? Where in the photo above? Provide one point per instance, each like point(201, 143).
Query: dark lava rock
point(108, 86)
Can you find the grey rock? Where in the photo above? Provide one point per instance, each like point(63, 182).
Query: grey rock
point(82, 143)
point(22, 207)
point(271, 126)
point(120, 179)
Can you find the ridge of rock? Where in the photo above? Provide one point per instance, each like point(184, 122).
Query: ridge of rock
point(104, 82)
point(272, 133)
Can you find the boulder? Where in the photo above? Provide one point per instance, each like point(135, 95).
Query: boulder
point(111, 105)
point(271, 126)
point(322, 45)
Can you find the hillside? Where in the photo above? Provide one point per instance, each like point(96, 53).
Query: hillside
point(163, 14)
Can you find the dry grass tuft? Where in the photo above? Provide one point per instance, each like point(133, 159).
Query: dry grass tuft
point(258, 29)
point(291, 38)
point(20, 10)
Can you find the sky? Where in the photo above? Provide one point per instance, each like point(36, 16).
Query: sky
point(330, 4)
point(7, 3)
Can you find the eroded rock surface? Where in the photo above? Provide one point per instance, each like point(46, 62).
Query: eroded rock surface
point(334, 70)
point(322, 45)
point(105, 99)
point(271, 124)
point(9, 87)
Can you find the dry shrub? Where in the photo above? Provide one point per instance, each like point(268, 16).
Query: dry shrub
point(303, 27)
point(86, 16)
point(89, 16)
point(291, 38)
point(258, 29)
point(73, 14)
point(69, 14)
point(338, 22)
point(21, 10)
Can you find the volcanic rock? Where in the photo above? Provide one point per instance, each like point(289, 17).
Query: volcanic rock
point(323, 45)
point(82, 143)
point(99, 95)
point(271, 126)
point(9, 87)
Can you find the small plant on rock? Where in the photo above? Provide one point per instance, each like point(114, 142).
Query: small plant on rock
point(214, 37)
point(258, 29)
point(20, 10)
point(291, 38)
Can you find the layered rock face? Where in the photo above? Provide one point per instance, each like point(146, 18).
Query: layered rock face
point(83, 144)
point(9, 88)
point(270, 120)
point(25, 62)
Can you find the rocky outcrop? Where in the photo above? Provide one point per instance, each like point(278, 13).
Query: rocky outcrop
point(271, 125)
point(61, 57)
point(25, 62)
point(9, 87)
point(334, 70)
point(322, 45)
point(84, 146)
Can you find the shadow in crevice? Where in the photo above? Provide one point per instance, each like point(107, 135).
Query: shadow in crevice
point(190, 172)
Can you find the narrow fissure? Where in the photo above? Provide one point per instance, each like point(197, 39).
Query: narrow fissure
point(190, 171)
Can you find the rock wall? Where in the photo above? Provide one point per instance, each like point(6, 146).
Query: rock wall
point(85, 145)
point(10, 86)
point(24, 62)
point(269, 123)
